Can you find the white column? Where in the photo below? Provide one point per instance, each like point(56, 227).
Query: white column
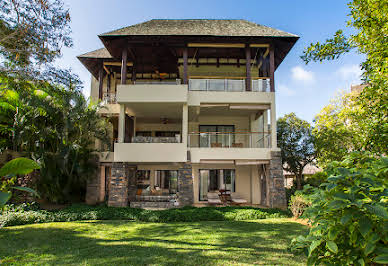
point(273, 126)
point(185, 123)
point(122, 123)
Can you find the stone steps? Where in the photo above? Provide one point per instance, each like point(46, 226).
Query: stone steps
point(151, 204)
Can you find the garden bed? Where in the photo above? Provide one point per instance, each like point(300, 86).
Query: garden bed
point(187, 214)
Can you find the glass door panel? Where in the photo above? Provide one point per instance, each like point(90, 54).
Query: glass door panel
point(207, 140)
point(203, 184)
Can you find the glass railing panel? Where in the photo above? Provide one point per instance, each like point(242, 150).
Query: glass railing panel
point(235, 85)
point(229, 140)
point(216, 85)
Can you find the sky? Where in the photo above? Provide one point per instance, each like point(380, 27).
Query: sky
point(300, 88)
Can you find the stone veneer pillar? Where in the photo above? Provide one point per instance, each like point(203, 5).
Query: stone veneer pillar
point(118, 194)
point(185, 186)
point(276, 193)
point(93, 189)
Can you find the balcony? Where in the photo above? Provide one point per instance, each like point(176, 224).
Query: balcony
point(229, 85)
point(152, 92)
point(150, 152)
point(221, 146)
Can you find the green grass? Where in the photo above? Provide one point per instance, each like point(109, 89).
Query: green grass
point(137, 243)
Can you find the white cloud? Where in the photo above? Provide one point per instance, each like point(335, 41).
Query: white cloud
point(350, 73)
point(285, 91)
point(299, 74)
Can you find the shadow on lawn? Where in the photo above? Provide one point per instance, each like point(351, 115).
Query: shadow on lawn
point(144, 243)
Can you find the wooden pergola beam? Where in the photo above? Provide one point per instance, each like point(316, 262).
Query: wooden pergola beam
point(185, 59)
point(124, 66)
point(272, 68)
point(248, 82)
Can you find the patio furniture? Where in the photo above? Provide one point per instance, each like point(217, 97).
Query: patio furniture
point(237, 145)
point(237, 198)
point(216, 145)
point(213, 198)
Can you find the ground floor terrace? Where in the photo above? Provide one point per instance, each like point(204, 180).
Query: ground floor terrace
point(169, 185)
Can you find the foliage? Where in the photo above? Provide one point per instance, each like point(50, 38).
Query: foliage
point(316, 179)
point(8, 173)
point(58, 128)
point(296, 143)
point(339, 129)
point(369, 20)
point(349, 214)
point(79, 212)
point(300, 201)
point(32, 34)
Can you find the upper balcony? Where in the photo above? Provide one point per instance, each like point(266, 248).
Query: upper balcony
point(222, 84)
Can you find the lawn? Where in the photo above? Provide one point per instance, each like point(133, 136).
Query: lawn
point(137, 243)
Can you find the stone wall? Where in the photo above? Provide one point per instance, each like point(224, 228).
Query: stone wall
point(118, 193)
point(93, 186)
point(185, 186)
point(276, 194)
point(132, 183)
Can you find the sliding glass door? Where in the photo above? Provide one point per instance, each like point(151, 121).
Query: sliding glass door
point(223, 138)
point(166, 179)
point(216, 180)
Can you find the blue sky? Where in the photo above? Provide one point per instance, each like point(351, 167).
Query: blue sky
point(303, 89)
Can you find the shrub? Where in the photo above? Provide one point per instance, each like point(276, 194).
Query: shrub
point(298, 204)
point(187, 214)
point(316, 179)
point(349, 214)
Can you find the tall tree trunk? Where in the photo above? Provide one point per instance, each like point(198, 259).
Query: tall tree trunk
point(299, 180)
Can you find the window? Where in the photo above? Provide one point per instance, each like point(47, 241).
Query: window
point(166, 133)
point(223, 138)
point(143, 133)
point(215, 180)
point(143, 178)
point(167, 179)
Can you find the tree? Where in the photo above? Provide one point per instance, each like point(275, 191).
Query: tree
point(8, 173)
point(369, 20)
point(339, 129)
point(32, 34)
point(57, 127)
point(349, 214)
point(296, 143)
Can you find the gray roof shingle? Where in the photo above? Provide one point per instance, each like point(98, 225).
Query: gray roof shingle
point(199, 27)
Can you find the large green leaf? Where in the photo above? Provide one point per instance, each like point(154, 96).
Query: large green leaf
point(4, 197)
point(332, 246)
point(19, 166)
point(381, 259)
point(370, 246)
point(314, 245)
point(378, 210)
point(27, 189)
point(365, 225)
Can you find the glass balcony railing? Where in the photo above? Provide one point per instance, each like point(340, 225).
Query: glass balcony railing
point(258, 85)
point(229, 140)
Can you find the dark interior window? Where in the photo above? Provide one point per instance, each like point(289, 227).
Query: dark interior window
point(166, 133)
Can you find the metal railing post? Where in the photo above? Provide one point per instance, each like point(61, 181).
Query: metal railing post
point(229, 139)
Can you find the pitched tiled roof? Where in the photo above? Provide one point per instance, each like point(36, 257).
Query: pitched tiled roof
point(198, 27)
point(100, 53)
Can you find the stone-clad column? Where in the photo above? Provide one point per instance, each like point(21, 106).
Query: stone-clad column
point(275, 182)
point(93, 188)
point(185, 186)
point(118, 194)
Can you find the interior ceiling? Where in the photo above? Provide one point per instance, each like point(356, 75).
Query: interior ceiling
point(222, 111)
point(156, 110)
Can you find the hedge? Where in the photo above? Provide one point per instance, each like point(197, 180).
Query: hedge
point(79, 212)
